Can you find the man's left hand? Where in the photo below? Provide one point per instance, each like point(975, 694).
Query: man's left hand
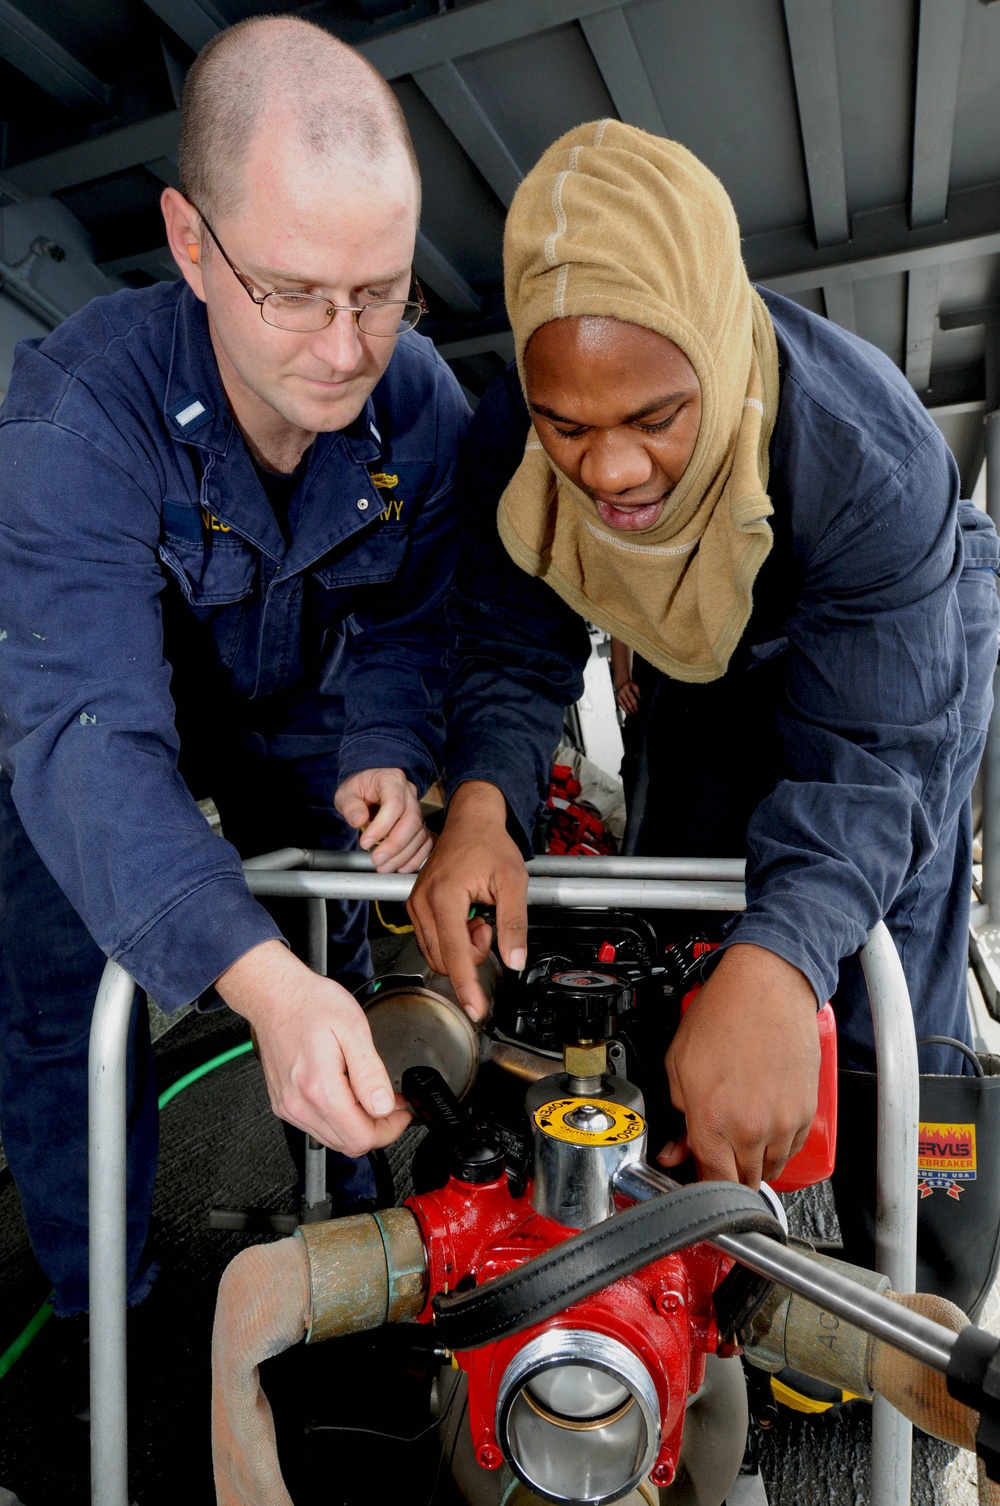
point(744, 1068)
point(383, 805)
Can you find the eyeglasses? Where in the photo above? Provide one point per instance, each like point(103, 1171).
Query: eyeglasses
point(311, 311)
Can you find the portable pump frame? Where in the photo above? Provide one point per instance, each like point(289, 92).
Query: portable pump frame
point(970, 1359)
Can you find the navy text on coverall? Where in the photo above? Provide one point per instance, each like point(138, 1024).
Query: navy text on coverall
point(159, 642)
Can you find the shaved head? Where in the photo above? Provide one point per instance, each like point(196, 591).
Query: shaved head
point(282, 74)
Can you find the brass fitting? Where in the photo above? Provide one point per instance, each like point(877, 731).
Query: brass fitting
point(789, 1330)
point(585, 1058)
point(364, 1271)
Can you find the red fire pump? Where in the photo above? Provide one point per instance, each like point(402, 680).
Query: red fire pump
point(581, 1353)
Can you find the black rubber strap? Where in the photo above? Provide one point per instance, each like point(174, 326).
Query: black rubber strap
point(593, 1259)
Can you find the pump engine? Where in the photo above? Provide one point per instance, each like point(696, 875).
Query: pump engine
point(579, 1385)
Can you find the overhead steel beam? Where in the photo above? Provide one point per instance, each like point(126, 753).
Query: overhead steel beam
point(988, 313)
point(36, 54)
point(957, 409)
point(882, 242)
point(194, 21)
point(473, 28)
point(814, 67)
point(610, 39)
point(839, 300)
point(158, 264)
point(472, 128)
point(432, 267)
point(114, 152)
point(921, 313)
point(939, 57)
point(961, 390)
point(425, 44)
point(499, 343)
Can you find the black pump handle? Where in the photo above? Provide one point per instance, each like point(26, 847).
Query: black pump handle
point(430, 1095)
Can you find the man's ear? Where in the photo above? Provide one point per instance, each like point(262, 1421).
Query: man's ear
point(184, 236)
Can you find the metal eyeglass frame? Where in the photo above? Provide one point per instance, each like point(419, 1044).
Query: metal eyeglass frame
point(333, 309)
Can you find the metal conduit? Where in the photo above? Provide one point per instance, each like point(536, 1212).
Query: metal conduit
point(106, 1142)
point(647, 894)
point(723, 869)
point(915, 1335)
point(991, 755)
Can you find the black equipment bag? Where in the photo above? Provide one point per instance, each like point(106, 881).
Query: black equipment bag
point(958, 1211)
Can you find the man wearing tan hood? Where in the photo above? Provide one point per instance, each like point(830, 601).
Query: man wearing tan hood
point(757, 504)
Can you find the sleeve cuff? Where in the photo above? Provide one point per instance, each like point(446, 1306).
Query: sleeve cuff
point(821, 967)
point(522, 808)
point(184, 950)
point(374, 751)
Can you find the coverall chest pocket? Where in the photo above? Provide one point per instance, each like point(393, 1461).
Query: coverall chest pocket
point(374, 559)
point(212, 565)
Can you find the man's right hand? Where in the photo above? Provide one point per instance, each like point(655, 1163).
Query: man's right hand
point(474, 862)
point(322, 1071)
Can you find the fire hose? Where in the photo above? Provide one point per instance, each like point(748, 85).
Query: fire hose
point(324, 1282)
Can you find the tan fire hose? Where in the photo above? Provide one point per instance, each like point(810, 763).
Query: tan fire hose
point(790, 1330)
point(262, 1309)
point(344, 1276)
point(921, 1394)
point(354, 1274)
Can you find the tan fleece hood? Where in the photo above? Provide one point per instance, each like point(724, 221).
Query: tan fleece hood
point(615, 222)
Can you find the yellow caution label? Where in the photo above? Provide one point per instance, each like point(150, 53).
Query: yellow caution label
point(589, 1121)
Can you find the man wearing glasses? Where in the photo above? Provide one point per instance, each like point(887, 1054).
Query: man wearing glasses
point(225, 541)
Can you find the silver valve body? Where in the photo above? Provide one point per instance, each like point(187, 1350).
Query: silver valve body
point(580, 1141)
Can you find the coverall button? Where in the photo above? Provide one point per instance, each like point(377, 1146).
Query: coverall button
point(362, 503)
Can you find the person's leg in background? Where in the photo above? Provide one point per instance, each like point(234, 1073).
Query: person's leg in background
point(50, 969)
point(957, 1237)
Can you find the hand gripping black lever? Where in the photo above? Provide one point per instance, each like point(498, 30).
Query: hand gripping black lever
point(974, 1378)
point(475, 1155)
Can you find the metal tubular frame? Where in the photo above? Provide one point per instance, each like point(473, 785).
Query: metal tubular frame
point(680, 884)
point(991, 757)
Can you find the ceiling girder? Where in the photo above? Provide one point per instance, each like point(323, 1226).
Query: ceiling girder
point(921, 313)
point(988, 313)
point(882, 242)
point(194, 21)
point(473, 28)
point(612, 44)
point(939, 56)
point(158, 264)
point(434, 268)
point(838, 298)
point(814, 67)
point(472, 128)
point(114, 152)
point(33, 52)
point(499, 343)
point(961, 390)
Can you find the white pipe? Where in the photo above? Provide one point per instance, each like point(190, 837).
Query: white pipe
point(285, 857)
point(106, 1152)
point(549, 866)
point(896, 1173)
point(648, 894)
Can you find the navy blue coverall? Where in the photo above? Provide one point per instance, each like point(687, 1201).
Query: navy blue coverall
point(159, 642)
point(839, 749)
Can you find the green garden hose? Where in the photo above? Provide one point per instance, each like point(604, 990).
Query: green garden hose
point(14, 1351)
